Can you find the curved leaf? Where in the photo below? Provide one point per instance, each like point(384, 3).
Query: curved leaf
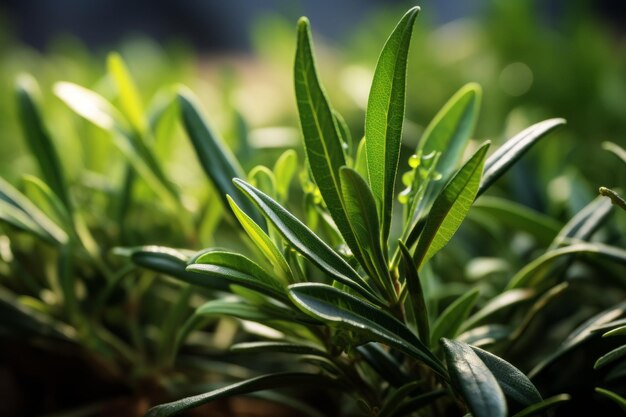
point(450, 207)
point(584, 223)
point(452, 318)
point(542, 407)
point(499, 303)
point(474, 381)
point(238, 269)
point(237, 308)
point(129, 98)
point(513, 382)
point(259, 383)
point(416, 294)
point(616, 398)
point(610, 357)
point(336, 307)
point(385, 115)
point(513, 149)
point(530, 275)
point(277, 347)
point(284, 169)
point(215, 158)
point(305, 241)
point(39, 141)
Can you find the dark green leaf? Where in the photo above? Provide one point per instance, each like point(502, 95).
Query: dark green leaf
point(542, 407)
point(305, 241)
point(584, 223)
point(474, 381)
point(277, 347)
point(416, 294)
point(39, 140)
point(215, 158)
point(513, 382)
point(617, 399)
point(384, 363)
point(503, 301)
point(450, 207)
point(336, 307)
point(385, 116)
point(238, 308)
point(263, 382)
point(513, 149)
point(452, 318)
point(610, 357)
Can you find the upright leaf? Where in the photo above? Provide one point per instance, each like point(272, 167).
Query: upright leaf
point(361, 210)
point(385, 116)
point(322, 140)
point(452, 318)
point(474, 381)
point(416, 294)
point(336, 307)
point(217, 161)
point(450, 207)
point(129, 98)
point(38, 139)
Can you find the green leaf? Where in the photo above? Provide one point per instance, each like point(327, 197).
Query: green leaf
point(534, 272)
point(513, 382)
point(450, 207)
point(264, 382)
point(504, 300)
point(416, 294)
point(610, 357)
point(215, 158)
point(361, 210)
point(306, 242)
point(236, 307)
point(44, 198)
point(343, 310)
point(615, 150)
point(100, 112)
point(277, 347)
point(17, 210)
point(171, 262)
point(322, 140)
point(344, 134)
point(542, 407)
point(39, 141)
point(617, 399)
point(130, 101)
point(515, 215)
point(393, 401)
point(360, 162)
point(384, 363)
point(263, 242)
point(452, 318)
point(284, 169)
point(474, 381)
point(513, 149)
point(580, 335)
point(239, 270)
point(584, 223)
point(450, 131)
point(385, 115)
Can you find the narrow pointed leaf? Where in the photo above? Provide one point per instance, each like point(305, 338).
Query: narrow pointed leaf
point(305, 241)
point(610, 357)
point(262, 241)
point(322, 140)
point(172, 262)
point(264, 382)
point(503, 301)
point(533, 273)
point(543, 406)
point(416, 294)
point(38, 138)
point(361, 210)
point(450, 207)
point(277, 347)
point(284, 169)
point(616, 398)
point(385, 115)
point(452, 318)
point(238, 308)
point(513, 149)
point(215, 158)
point(338, 308)
point(238, 269)
point(474, 381)
point(129, 99)
point(615, 150)
point(450, 131)
point(513, 382)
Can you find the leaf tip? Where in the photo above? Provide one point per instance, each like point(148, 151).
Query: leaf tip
point(303, 24)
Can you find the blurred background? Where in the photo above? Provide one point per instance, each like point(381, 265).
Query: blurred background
point(534, 60)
